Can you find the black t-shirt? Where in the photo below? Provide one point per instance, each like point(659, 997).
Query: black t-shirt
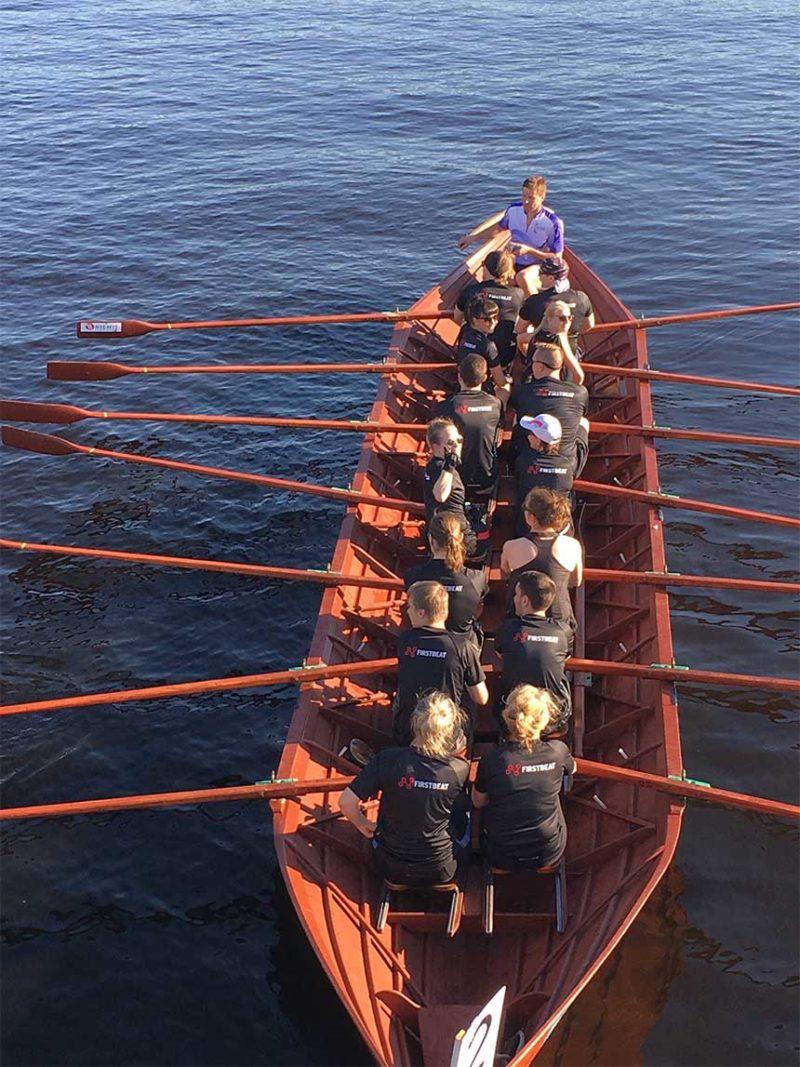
point(455, 502)
point(429, 658)
point(478, 416)
point(418, 794)
point(509, 300)
point(471, 342)
point(534, 651)
point(536, 470)
point(465, 590)
point(567, 401)
point(579, 304)
point(523, 822)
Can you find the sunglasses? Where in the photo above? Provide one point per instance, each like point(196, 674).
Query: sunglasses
point(563, 318)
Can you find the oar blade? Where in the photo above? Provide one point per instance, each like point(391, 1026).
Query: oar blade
point(103, 330)
point(77, 371)
point(44, 443)
point(22, 411)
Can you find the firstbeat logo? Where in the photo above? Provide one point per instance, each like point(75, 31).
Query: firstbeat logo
point(516, 769)
point(411, 651)
point(406, 782)
point(101, 327)
point(462, 409)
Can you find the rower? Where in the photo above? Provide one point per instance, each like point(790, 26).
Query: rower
point(519, 783)
point(540, 461)
point(554, 274)
point(546, 548)
point(537, 233)
point(547, 394)
point(553, 330)
point(477, 416)
point(534, 648)
point(413, 838)
point(443, 486)
point(509, 298)
point(476, 336)
point(431, 657)
point(465, 587)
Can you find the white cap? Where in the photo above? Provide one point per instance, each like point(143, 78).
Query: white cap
point(546, 427)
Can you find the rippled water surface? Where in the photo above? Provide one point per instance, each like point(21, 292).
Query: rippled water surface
point(179, 160)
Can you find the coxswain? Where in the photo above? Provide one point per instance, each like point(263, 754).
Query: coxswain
point(500, 288)
point(547, 548)
point(533, 648)
point(546, 394)
point(553, 274)
point(422, 794)
point(477, 416)
point(536, 232)
point(465, 587)
point(519, 785)
point(431, 657)
point(476, 337)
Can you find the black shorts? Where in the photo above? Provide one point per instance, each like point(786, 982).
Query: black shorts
point(417, 874)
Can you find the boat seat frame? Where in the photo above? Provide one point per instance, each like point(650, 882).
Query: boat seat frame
point(558, 870)
point(388, 889)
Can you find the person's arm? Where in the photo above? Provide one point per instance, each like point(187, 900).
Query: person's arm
point(505, 566)
point(350, 807)
point(479, 693)
point(571, 361)
point(483, 231)
point(479, 800)
point(443, 486)
point(568, 552)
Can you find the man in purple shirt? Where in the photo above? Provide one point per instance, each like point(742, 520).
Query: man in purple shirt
point(537, 233)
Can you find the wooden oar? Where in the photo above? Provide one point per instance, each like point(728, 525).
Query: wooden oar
point(664, 500)
point(280, 790)
point(686, 788)
point(113, 330)
point(693, 316)
point(66, 414)
point(611, 371)
point(49, 445)
point(661, 672)
point(96, 329)
point(591, 574)
point(96, 371)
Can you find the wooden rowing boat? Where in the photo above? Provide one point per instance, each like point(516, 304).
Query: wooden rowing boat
point(410, 987)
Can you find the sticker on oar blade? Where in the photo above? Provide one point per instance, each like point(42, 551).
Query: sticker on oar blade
point(100, 327)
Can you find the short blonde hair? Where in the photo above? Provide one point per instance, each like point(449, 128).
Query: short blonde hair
point(437, 726)
point(431, 599)
point(436, 429)
point(527, 714)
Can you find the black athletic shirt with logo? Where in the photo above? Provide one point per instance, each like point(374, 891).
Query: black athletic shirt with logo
point(523, 822)
point(418, 794)
point(536, 470)
point(567, 401)
point(478, 416)
point(455, 502)
point(471, 342)
point(429, 658)
point(465, 591)
point(509, 299)
point(534, 651)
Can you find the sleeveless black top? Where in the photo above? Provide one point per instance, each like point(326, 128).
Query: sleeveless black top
point(545, 562)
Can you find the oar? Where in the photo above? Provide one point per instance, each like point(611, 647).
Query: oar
point(661, 672)
point(280, 790)
point(277, 790)
point(591, 574)
point(684, 788)
point(611, 371)
point(49, 445)
point(66, 414)
point(96, 371)
point(113, 330)
point(94, 329)
point(693, 316)
point(665, 500)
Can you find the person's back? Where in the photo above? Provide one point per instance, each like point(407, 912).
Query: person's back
point(477, 415)
point(518, 785)
point(465, 587)
point(548, 395)
point(420, 786)
point(541, 461)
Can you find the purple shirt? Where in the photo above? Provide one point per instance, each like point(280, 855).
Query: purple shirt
point(544, 232)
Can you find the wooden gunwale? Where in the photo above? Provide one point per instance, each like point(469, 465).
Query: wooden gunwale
point(619, 866)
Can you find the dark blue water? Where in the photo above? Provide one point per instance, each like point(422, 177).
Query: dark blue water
point(179, 160)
